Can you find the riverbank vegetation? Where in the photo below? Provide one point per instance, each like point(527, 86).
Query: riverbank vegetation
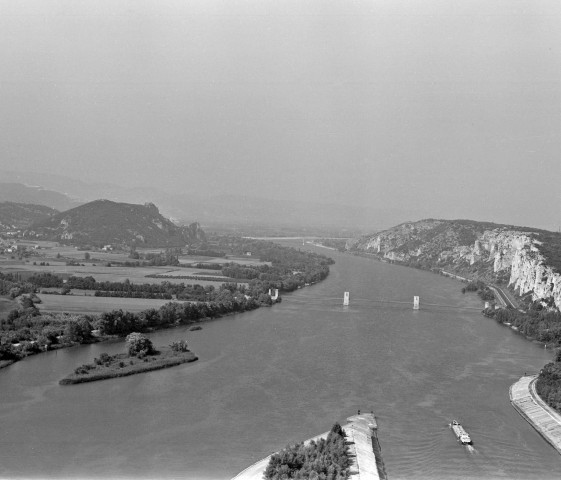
point(538, 322)
point(289, 269)
point(141, 356)
point(339, 244)
point(548, 384)
point(484, 292)
point(326, 459)
point(544, 325)
point(26, 330)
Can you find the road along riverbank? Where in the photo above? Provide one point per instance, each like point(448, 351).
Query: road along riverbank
point(532, 408)
point(362, 437)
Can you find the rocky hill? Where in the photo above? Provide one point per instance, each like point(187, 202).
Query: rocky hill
point(103, 222)
point(528, 259)
point(19, 216)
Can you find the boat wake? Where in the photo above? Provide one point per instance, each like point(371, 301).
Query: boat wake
point(471, 449)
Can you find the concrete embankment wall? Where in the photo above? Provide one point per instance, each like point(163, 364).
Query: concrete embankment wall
point(533, 409)
point(377, 449)
point(362, 436)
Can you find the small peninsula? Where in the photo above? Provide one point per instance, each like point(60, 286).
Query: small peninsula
point(141, 357)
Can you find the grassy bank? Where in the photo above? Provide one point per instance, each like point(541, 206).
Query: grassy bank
point(122, 365)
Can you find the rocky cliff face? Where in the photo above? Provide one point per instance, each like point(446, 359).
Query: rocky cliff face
point(476, 250)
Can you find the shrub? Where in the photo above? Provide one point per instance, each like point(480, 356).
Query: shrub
point(82, 370)
point(104, 359)
point(138, 344)
point(180, 346)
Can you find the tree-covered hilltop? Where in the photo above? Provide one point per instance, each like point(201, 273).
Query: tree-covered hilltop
point(327, 459)
point(105, 222)
point(19, 216)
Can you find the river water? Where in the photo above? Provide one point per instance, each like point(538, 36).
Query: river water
point(286, 373)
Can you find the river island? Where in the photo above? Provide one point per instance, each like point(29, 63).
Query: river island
point(140, 357)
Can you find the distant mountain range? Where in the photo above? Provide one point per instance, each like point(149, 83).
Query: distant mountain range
point(35, 195)
point(213, 209)
point(104, 222)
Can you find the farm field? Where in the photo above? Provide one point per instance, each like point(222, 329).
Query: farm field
point(114, 276)
point(99, 272)
point(228, 258)
point(81, 304)
point(98, 269)
point(137, 275)
point(49, 250)
point(106, 274)
point(181, 272)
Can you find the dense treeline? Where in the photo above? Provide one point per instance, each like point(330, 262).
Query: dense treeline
point(548, 384)
point(289, 270)
point(9, 285)
point(207, 278)
point(543, 325)
point(36, 332)
point(208, 266)
point(537, 322)
point(339, 244)
point(164, 290)
point(169, 257)
point(153, 296)
point(234, 270)
point(484, 292)
point(326, 459)
point(46, 280)
point(119, 322)
point(206, 253)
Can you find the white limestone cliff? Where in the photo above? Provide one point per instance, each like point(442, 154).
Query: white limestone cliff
point(513, 251)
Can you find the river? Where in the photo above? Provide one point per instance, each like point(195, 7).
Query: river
point(286, 373)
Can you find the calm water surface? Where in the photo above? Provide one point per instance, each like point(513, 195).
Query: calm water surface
point(283, 374)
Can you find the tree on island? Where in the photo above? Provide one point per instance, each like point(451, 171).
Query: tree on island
point(139, 345)
point(325, 459)
point(179, 346)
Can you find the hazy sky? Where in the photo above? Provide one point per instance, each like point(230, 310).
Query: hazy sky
point(441, 108)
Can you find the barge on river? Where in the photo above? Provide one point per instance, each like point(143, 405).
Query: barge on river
point(462, 435)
